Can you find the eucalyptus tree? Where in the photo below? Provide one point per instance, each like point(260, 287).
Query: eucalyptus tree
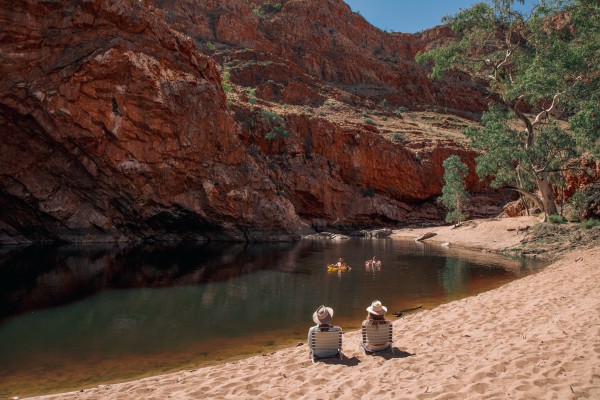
point(540, 68)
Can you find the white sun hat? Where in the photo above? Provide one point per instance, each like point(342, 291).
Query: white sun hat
point(323, 315)
point(377, 308)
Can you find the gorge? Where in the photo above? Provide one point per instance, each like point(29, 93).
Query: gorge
point(156, 120)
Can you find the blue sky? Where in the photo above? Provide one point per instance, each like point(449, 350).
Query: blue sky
point(407, 16)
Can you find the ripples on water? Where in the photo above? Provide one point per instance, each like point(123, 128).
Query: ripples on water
point(72, 316)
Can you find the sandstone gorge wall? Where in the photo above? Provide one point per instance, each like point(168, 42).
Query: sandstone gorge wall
point(115, 126)
point(327, 41)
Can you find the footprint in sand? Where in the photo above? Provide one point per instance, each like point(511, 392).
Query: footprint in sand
point(525, 387)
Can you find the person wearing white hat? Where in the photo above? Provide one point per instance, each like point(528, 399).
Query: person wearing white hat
point(376, 331)
point(322, 318)
point(376, 312)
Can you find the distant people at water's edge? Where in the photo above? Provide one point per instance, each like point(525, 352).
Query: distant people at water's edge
point(373, 264)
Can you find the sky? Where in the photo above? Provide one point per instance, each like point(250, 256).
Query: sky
point(407, 16)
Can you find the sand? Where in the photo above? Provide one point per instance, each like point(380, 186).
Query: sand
point(534, 338)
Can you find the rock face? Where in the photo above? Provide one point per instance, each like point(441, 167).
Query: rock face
point(322, 39)
point(115, 125)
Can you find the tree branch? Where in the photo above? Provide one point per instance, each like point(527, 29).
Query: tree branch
point(529, 195)
point(544, 113)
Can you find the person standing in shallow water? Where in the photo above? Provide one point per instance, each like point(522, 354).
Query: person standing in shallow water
point(372, 265)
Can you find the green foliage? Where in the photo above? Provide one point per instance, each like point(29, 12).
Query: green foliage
point(506, 156)
point(273, 117)
point(364, 114)
point(586, 126)
point(454, 196)
point(556, 219)
point(266, 7)
point(258, 11)
point(585, 99)
point(210, 46)
point(369, 121)
point(398, 137)
point(533, 58)
point(251, 92)
point(590, 223)
point(398, 111)
point(225, 82)
point(277, 125)
point(579, 203)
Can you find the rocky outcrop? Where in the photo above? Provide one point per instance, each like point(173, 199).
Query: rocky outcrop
point(323, 39)
point(115, 125)
point(352, 178)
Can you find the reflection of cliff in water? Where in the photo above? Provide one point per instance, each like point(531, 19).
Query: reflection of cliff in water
point(46, 276)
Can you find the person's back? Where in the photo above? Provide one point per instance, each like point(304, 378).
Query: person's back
point(324, 339)
point(376, 331)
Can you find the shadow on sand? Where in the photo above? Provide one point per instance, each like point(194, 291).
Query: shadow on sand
point(386, 354)
point(349, 362)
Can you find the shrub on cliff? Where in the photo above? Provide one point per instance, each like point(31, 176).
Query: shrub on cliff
point(454, 196)
point(225, 81)
point(277, 127)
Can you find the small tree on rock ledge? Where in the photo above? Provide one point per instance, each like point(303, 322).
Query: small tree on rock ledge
point(454, 196)
point(277, 125)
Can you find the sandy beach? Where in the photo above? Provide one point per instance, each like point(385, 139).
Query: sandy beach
point(534, 338)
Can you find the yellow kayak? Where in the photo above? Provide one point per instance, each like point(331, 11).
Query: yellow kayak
point(332, 267)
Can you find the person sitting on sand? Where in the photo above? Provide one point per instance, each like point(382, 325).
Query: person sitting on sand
point(322, 317)
point(376, 316)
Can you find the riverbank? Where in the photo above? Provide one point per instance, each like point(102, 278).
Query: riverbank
point(536, 337)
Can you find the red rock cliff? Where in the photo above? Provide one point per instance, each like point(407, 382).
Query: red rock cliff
point(115, 125)
point(327, 41)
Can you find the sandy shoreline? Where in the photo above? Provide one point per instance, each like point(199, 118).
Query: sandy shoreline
point(534, 338)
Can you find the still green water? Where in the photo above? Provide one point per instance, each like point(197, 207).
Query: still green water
point(71, 317)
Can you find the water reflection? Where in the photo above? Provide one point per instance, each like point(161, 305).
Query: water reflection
point(76, 316)
point(452, 276)
point(46, 276)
